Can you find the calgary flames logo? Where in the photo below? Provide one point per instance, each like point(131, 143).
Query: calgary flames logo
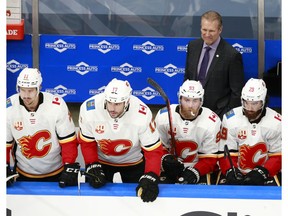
point(187, 150)
point(251, 156)
point(30, 145)
point(115, 147)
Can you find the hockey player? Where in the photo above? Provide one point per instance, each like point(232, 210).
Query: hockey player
point(117, 134)
point(197, 133)
point(253, 136)
point(41, 134)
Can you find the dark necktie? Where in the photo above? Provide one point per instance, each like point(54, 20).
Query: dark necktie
point(204, 65)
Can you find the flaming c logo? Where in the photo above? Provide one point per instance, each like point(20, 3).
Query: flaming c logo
point(252, 155)
point(187, 150)
point(115, 147)
point(30, 144)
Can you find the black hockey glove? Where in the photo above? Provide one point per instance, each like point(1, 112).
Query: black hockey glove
point(9, 173)
point(148, 188)
point(171, 166)
point(189, 175)
point(234, 179)
point(95, 175)
point(69, 176)
point(257, 176)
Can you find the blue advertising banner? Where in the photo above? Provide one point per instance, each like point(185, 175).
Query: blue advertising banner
point(77, 67)
point(19, 56)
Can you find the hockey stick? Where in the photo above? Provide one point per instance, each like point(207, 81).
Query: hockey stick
point(167, 101)
point(12, 176)
point(227, 154)
point(80, 179)
point(79, 182)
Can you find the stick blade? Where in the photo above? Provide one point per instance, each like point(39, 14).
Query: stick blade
point(154, 84)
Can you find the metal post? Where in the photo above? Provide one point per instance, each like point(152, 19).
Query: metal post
point(35, 33)
point(261, 39)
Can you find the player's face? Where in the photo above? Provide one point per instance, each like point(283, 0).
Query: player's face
point(115, 109)
point(252, 109)
point(29, 96)
point(189, 107)
point(210, 31)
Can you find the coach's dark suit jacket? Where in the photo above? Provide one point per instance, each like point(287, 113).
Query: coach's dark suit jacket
point(224, 79)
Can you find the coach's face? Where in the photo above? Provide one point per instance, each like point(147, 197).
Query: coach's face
point(210, 31)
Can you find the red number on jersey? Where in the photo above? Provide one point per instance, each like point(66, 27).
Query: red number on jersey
point(224, 133)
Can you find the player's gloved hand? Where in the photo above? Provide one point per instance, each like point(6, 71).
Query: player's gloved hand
point(257, 176)
point(232, 179)
point(189, 175)
point(147, 188)
point(69, 176)
point(9, 173)
point(171, 166)
point(95, 175)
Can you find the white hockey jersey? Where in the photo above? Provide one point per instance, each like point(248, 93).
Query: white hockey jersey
point(253, 142)
point(194, 139)
point(38, 135)
point(119, 141)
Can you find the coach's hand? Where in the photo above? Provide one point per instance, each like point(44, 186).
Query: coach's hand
point(148, 188)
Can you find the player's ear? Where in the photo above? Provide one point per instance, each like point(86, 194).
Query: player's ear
point(220, 29)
